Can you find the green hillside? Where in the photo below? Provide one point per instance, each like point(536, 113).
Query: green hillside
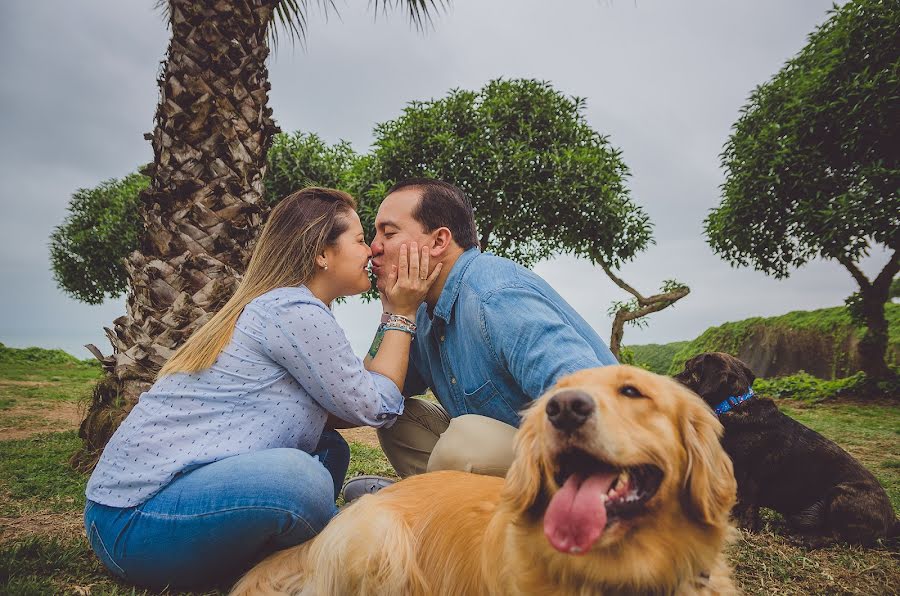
point(657, 357)
point(39, 356)
point(821, 342)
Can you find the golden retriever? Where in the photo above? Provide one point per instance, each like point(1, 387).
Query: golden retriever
point(619, 485)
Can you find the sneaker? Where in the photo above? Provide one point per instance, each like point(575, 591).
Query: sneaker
point(364, 485)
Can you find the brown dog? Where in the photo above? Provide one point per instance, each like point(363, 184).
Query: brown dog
point(619, 485)
point(823, 493)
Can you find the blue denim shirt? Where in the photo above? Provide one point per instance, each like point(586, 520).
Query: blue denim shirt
point(498, 337)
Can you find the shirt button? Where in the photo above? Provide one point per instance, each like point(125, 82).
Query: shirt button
point(453, 380)
point(442, 338)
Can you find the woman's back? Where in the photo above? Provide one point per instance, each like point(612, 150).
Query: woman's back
point(286, 357)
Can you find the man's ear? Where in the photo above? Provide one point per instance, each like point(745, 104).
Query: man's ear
point(442, 241)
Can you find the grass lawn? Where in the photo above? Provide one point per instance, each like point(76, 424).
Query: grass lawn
point(43, 549)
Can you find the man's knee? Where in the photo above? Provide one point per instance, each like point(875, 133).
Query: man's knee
point(475, 444)
point(409, 441)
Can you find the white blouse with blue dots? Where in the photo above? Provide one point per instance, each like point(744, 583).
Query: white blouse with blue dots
point(287, 366)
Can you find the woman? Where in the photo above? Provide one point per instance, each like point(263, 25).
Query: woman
point(230, 455)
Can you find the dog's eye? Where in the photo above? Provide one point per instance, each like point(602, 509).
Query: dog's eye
point(630, 391)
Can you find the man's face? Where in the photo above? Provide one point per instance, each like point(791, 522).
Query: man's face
point(394, 226)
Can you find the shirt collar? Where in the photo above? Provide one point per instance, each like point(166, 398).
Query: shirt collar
point(452, 285)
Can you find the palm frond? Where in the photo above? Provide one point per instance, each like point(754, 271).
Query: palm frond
point(291, 15)
point(418, 11)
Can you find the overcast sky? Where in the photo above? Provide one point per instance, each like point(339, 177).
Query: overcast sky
point(664, 79)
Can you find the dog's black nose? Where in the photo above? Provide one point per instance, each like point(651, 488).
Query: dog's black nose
point(568, 410)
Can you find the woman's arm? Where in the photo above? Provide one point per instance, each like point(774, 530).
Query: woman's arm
point(406, 287)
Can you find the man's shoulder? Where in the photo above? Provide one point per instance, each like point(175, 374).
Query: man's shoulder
point(488, 272)
point(489, 275)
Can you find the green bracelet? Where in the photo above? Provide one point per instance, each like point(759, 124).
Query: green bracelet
point(398, 328)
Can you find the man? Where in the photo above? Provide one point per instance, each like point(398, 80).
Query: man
point(491, 337)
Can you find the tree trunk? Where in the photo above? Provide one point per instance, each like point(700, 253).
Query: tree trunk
point(205, 202)
point(874, 295)
point(645, 306)
point(873, 346)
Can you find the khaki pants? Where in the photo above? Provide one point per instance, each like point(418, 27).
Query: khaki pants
point(426, 439)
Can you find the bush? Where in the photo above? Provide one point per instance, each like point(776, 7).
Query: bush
point(806, 387)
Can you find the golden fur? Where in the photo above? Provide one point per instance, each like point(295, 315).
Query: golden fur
point(460, 533)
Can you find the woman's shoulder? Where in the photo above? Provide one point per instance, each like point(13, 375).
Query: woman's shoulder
point(281, 300)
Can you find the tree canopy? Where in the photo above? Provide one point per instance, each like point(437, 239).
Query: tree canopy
point(304, 159)
point(811, 169)
point(540, 179)
point(88, 249)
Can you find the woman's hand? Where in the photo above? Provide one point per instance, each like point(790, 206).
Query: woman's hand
point(409, 281)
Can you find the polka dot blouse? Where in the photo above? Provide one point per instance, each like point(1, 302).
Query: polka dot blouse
point(287, 366)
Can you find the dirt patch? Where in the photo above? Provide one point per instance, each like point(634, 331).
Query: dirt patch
point(40, 523)
point(364, 434)
point(30, 418)
point(8, 383)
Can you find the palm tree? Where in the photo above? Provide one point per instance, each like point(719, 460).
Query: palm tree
point(204, 204)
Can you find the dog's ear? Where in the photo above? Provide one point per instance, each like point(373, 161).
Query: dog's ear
point(524, 478)
point(747, 373)
point(709, 485)
point(712, 380)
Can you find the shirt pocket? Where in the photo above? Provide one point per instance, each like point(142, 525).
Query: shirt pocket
point(482, 396)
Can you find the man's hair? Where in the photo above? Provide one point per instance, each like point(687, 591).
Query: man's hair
point(443, 205)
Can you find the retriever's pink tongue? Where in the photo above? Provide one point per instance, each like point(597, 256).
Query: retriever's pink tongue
point(576, 516)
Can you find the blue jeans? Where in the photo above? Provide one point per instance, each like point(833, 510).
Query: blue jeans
point(211, 524)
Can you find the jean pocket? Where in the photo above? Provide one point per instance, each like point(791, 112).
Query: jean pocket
point(481, 396)
point(102, 553)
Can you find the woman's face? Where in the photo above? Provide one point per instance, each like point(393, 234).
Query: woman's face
point(348, 259)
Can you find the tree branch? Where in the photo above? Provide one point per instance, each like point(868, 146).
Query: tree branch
point(861, 279)
point(621, 283)
point(485, 235)
point(884, 279)
point(656, 303)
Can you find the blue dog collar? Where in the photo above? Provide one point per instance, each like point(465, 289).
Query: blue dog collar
point(731, 402)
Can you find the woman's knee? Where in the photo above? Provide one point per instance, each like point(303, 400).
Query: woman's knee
point(299, 483)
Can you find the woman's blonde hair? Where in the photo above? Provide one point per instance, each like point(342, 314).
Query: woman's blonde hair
point(298, 229)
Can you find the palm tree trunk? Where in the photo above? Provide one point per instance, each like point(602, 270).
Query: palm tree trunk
point(205, 201)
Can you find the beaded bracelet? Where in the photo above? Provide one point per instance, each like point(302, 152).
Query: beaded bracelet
point(397, 323)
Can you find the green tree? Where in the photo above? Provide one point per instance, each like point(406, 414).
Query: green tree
point(540, 179)
point(812, 165)
point(304, 159)
point(204, 204)
point(87, 251)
